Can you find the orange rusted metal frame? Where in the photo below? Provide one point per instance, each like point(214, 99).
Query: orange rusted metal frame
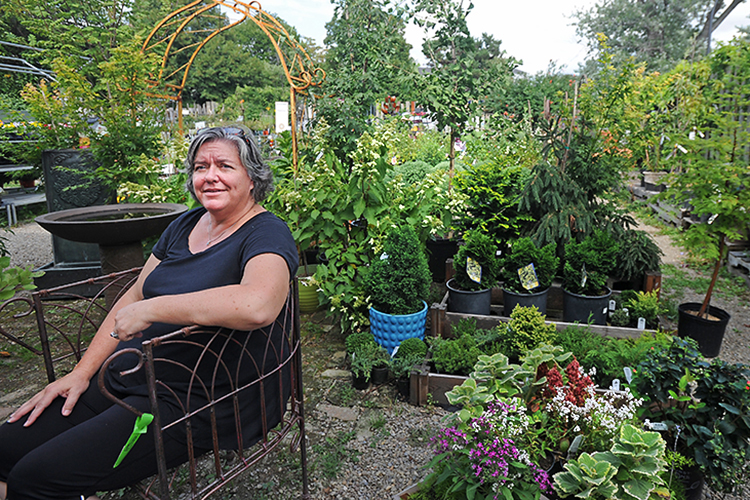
point(300, 73)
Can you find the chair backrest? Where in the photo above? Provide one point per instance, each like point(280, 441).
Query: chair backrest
point(244, 393)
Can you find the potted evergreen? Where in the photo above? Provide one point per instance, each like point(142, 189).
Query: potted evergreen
point(588, 264)
point(477, 270)
point(398, 284)
point(527, 274)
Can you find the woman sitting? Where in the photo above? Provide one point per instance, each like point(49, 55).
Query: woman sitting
point(226, 264)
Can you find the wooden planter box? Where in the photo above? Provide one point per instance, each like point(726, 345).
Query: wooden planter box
point(424, 382)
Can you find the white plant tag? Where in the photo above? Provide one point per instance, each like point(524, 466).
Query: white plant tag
point(584, 276)
point(615, 385)
point(641, 323)
point(574, 446)
point(691, 135)
point(604, 311)
point(383, 256)
point(681, 148)
point(628, 374)
point(712, 218)
point(659, 426)
point(612, 305)
point(395, 350)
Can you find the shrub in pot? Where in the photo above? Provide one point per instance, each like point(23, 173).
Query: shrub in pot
point(527, 273)
point(638, 255)
point(477, 270)
point(527, 330)
point(705, 406)
point(410, 352)
point(397, 284)
point(588, 264)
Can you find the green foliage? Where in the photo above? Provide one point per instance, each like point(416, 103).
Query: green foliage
point(524, 252)
point(399, 281)
point(709, 402)
point(455, 356)
point(15, 279)
point(619, 317)
point(713, 174)
point(609, 355)
point(366, 357)
point(589, 263)
point(492, 191)
point(527, 330)
point(629, 471)
point(462, 67)
point(412, 348)
point(645, 305)
point(479, 247)
point(638, 254)
point(359, 341)
point(632, 29)
point(429, 146)
point(411, 172)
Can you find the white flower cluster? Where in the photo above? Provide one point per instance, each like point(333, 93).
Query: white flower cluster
point(603, 412)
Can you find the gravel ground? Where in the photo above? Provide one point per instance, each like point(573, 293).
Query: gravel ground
point(377, 442)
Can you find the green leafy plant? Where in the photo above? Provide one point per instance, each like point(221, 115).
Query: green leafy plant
point(480, 248)
point(589, 263)
point(412, 348)
point(359, 340)
point(15, 279)
point(455, 356)
point(645, 305)
point(638, 254)
point(492, 191)
point(524, 252)
point(706, 407)
point(630, 470)
point(619, 317)
point(527, 330)
point(399, 281)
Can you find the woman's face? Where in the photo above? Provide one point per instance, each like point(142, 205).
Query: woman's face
point(221, 182)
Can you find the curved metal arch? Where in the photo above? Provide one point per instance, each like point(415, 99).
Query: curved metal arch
point(300, 71)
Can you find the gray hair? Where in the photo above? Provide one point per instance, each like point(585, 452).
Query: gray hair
point(249, 153)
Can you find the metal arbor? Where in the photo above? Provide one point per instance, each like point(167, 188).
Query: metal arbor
point(300, 71)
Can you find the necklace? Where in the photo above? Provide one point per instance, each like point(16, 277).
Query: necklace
point(210, 240)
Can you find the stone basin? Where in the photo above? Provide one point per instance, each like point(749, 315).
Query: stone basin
point(111, 225)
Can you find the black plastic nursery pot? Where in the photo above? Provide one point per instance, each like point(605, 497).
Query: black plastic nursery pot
point(578, 308)
point(440, 250)
point(709, 333)
point(468, 302)
point(513, 299)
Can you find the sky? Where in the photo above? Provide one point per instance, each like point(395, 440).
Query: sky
point(536, 31)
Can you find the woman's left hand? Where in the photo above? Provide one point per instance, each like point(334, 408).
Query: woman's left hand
point(131, 320)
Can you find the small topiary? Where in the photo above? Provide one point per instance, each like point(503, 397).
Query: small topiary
point(527, 330)
point(359, 341)
point(412, 348)
point(589, 263)
point(481, 249)
point(525, 252)
point(399, 281)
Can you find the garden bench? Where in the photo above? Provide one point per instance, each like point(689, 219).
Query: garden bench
point(66, 321)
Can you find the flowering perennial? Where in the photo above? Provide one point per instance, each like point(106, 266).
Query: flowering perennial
point(484, 453)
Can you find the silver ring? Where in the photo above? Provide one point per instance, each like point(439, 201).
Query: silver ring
point(114, 335)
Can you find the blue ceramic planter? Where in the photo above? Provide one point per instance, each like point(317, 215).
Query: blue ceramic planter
point(390, 330)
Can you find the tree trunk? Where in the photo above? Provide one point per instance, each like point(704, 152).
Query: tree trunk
point(707, 300)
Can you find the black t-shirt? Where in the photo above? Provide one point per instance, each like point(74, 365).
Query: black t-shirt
point(245, 356)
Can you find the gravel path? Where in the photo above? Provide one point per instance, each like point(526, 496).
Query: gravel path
point(378, 443)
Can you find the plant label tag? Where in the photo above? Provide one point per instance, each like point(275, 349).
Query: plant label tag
point(395, 350)
point(712, 218)
point(641, 323)
point(604, 311)
point(573, 450)
point(615, 385)
point(584, 276)
point(681, 148)
point(383, 256)
point(612, 305)
point(474, 270)
point(691, 135)
point(527, 275)
point(628, 374)
point(659, 426)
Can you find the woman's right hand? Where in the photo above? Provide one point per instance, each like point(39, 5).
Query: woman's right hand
point(70, 387)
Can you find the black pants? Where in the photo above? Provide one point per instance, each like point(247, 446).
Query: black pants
point(60, 457)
